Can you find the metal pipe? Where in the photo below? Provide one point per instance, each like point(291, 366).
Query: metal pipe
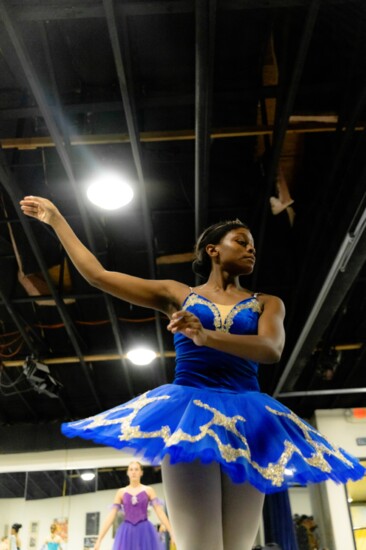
point(341, 391)
point(31, 143)
point(76, 359)
point(130, 114)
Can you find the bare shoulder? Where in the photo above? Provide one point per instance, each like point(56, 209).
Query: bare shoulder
point(149, 491)
point(270, 302)
point(119, 495)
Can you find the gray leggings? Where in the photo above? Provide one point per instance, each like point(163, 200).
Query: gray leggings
point(207, 510)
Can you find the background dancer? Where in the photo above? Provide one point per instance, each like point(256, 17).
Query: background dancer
point(136, 532)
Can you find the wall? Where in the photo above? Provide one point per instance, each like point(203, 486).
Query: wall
point(67, 459)
point(300, 501)
point(342, 430)
point(74, 508)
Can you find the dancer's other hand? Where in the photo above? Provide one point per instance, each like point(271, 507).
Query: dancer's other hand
point(188, 324)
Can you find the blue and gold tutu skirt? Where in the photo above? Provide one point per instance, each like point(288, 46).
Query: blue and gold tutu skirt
point(252, 436)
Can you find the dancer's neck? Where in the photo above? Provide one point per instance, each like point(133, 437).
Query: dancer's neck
point(134, 485)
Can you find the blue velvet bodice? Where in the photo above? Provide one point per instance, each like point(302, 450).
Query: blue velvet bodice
point(201, 366)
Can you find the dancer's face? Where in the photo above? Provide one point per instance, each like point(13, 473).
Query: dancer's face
point(235, 252)
point(134, 471)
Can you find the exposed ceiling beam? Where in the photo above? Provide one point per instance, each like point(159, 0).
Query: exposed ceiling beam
point(283, 112)
point(75, 10)
point(74, 359)
point(31, 143)
point(311, 393)
point(115, 357)
point(84, 217)
point(62, 145)
point(15, 195)
point(205, 30)
point(123, 69)
point(337, 187)
point(348, 263)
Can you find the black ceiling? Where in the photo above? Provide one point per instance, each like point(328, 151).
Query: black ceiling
point(207, 107)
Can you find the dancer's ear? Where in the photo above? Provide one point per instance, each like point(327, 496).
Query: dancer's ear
point(212, 250)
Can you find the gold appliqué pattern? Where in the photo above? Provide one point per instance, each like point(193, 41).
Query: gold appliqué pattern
point(194, 299)
point(254, 305)
point(225, 326)
point(273, 471)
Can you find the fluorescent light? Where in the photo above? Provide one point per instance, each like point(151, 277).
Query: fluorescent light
point(141, 356)
point(109, 191)
point(87, 476)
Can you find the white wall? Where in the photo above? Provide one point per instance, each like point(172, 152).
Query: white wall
point(342, 430)
point(300, 501)
point(67, 459)
point(358, 513)
point(74, 508)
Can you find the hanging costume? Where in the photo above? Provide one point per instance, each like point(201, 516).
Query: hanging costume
point(214, 411)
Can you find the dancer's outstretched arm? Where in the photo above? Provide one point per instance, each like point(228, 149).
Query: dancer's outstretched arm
point(162, 295)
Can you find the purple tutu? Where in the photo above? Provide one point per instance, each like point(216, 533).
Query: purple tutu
point(136, 532)
point(141, 536)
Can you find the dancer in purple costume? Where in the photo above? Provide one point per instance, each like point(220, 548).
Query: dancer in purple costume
point(222, 443)
point(136, 532)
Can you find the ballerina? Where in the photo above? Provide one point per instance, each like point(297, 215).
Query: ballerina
point(221, 442)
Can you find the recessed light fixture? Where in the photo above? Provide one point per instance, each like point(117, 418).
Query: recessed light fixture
point(109, 191)
point(87, 476)
point(141, 356)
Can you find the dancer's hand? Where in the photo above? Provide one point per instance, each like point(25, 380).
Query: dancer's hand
point(39, 208)
point(188, 324)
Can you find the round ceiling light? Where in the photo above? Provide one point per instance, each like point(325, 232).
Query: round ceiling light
point(109, 192)
point(141, 356)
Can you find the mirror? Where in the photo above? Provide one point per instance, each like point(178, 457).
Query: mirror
point(356, 496)
point(37, 499)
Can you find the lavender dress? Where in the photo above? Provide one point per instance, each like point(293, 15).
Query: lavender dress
point(136, 532)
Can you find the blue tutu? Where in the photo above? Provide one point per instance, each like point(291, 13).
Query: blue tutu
point(214, 411)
